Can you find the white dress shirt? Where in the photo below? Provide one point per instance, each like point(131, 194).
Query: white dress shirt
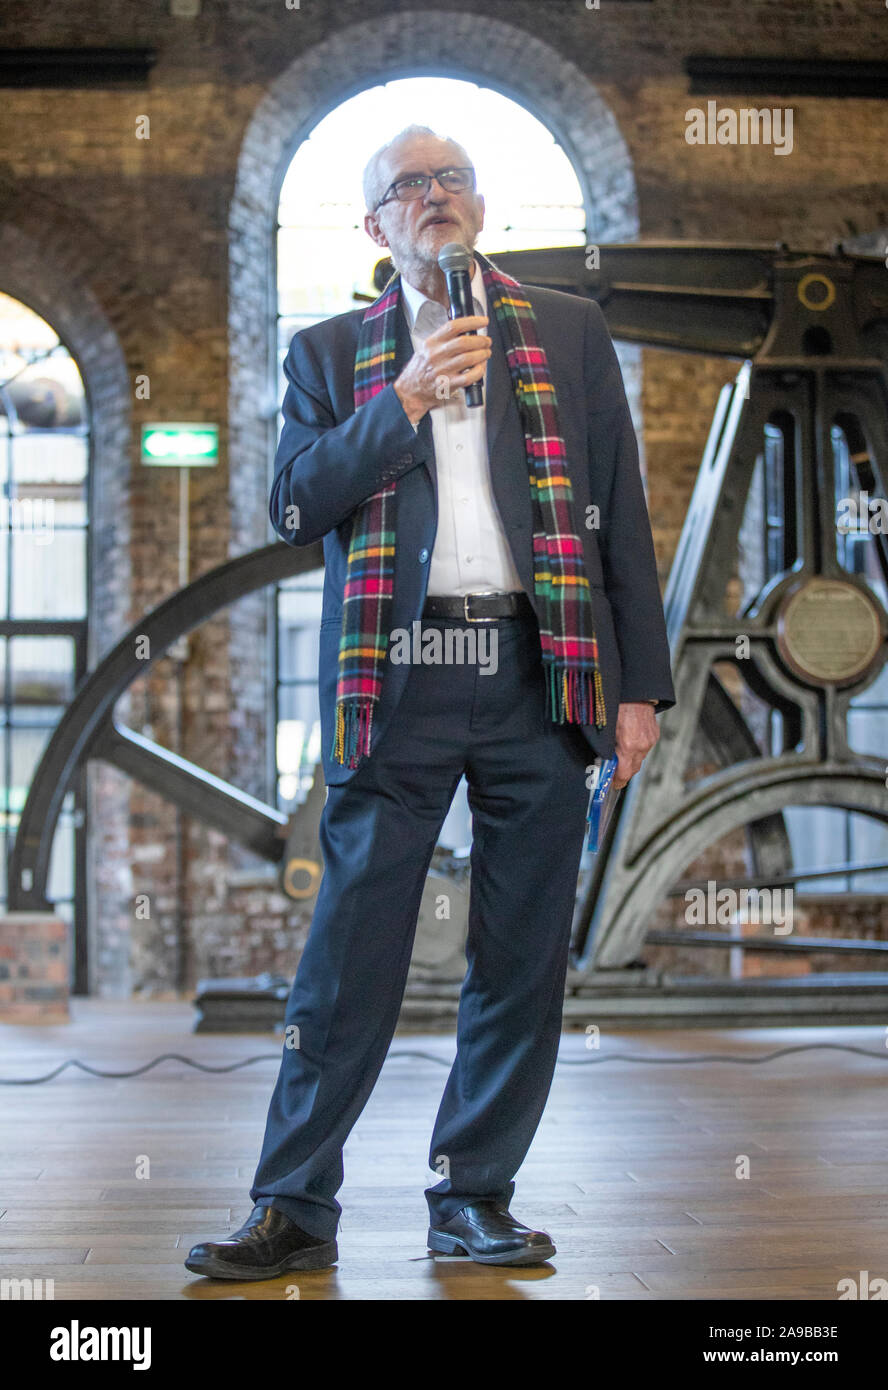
point(471, 552)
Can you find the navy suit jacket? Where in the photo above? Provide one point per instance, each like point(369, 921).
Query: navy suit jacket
point(331, 458)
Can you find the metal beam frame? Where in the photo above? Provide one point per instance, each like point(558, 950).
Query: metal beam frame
point(817, 328)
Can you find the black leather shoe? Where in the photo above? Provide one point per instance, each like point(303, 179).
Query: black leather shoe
point(267, 1244)
point(490, 1234)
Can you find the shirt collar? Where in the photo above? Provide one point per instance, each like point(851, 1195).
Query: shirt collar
point(413, 299)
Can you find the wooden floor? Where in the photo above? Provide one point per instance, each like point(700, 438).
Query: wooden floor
point(633, 1170)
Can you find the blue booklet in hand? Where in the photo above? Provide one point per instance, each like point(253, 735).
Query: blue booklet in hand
point(602, 801)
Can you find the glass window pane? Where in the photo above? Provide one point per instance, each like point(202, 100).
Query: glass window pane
point(876, 693)
point(298, 741)
point(35, 716)
point(48, 574)
point(299, 654)
point(869, 845)
point(26, 749)
point(49, 456)
point(299, 618)
point(817, 836)
point(42, 670)
point(60, 880)
point(48, 509)
point(868, 731)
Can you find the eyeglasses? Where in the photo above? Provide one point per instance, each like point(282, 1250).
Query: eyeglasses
point(417, 185)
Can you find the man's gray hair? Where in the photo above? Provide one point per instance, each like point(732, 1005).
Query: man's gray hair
point(372, 175)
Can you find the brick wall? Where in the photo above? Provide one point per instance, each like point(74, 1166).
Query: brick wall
point(33, 969)
point(154, 256)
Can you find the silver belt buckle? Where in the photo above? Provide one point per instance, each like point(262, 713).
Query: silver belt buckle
point(482, 593)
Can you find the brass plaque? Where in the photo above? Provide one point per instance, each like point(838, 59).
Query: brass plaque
point(302, 866)
point(829, 631)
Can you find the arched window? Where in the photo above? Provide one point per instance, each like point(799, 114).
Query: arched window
point(44, 457)
point(325, 263)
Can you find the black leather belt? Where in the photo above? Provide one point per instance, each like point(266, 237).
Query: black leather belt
point(478, 608)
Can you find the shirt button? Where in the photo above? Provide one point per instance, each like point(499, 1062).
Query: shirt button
point(469, 559)
point(423, 555)
point(459, 448)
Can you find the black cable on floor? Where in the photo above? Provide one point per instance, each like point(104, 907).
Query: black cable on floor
point(447, 1062)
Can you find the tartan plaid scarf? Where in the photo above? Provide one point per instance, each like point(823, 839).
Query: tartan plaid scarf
point(574, 691)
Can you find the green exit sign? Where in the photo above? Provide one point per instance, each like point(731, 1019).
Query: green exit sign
point(175, 443)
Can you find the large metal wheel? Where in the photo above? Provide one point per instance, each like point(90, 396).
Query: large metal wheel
point(88, 730)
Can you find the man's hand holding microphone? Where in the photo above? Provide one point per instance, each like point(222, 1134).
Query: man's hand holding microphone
point(446, 356)
point(446, 361)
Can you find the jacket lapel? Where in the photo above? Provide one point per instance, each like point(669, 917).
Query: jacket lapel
point(508, 458)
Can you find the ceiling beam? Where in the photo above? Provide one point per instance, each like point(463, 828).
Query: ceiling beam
point(76, 67)
point(816, 77)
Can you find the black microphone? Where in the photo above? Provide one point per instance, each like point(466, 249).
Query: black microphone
point(456, 262)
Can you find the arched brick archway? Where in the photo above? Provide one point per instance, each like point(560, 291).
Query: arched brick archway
point(502, 56)
point(43, 266)
point(53, 263)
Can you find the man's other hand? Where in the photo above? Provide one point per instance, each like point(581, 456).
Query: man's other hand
point(636, 733)
point(445, 361)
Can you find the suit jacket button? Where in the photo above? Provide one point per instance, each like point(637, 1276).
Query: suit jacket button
point(423, 556)
point(406, 458)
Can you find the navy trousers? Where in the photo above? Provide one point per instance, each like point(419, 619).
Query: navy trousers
point(527, 791)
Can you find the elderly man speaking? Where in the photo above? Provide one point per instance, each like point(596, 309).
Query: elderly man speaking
point(527, 514)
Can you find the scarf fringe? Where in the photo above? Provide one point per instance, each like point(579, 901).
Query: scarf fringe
point(574, 697)
point(353, 731)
